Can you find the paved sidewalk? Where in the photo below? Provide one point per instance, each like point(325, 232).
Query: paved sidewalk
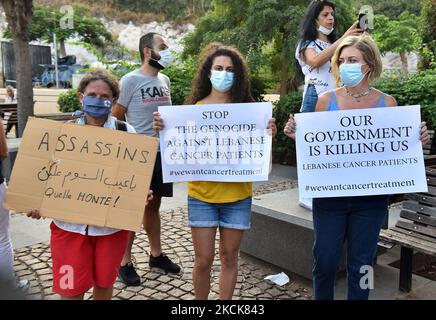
point(33, 260)
point(34, 263)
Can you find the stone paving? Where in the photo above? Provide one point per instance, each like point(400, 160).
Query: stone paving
point(34, 263)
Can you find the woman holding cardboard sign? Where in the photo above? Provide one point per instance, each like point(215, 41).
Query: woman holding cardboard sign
point(221, 78)
point(88, 256)
point(358, 220)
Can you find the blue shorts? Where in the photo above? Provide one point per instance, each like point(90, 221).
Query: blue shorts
point(232, 215)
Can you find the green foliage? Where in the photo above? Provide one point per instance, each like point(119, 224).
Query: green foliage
point(391, 8)
point(419, 88)
point(181, 80)
point(69, 101)
point(265, 32)
point(47, 20)
point(428, 31)
point(397, 35)
point(173, 9)
point(284, 147)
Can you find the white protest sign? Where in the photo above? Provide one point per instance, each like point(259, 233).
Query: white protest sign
point(360, 152)
point(216, 142)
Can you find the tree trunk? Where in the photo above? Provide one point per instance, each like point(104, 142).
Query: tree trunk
point(403, 58)
point(62, 51)
point(284, 69)
point(202, 8)
point(191, 8)
point(18, 15)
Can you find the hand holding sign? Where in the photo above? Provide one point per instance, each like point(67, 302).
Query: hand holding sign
point(215, 142)
point(360, 152)
point(82, 174)
point(290, 127)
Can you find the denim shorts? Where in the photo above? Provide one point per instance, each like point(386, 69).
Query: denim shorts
point(232, 215)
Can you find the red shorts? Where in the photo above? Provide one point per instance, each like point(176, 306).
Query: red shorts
point(82, 261)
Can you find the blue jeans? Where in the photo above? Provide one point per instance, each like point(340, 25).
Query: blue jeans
point(358, 221)
point(310, 99)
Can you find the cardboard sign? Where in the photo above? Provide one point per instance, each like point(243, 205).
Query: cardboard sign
point(360, 152)
point(82, 174)
point(216, 142)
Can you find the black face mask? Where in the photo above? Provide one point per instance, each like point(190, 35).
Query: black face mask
point(154, 61)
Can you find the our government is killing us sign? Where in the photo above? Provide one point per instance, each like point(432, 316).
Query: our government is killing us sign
point(82, 174)
point(216, 142)
point(360, 152)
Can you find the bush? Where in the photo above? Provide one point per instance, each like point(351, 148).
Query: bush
point(258, 87)
point(284, 147)
point(414, 89)
point(69, 101)
point(181, 77)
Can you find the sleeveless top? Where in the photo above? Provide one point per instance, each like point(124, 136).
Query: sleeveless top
point(333, 106)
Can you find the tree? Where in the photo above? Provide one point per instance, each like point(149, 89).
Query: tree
point(173, 9)
point(49, 20)
point(265, 31)
point(400, 36)
point(428, 32)
point(18, 15)
point(391, 8)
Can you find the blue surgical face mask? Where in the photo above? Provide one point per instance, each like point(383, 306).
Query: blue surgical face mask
point(96, 107)
point(351, 74)
point(222, 81)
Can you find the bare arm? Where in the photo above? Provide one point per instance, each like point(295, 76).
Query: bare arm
point(119, 112)
point(390, 101)
point(316, 60)
point(323, 101)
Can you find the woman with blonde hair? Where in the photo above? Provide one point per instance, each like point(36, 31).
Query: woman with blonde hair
point(357, 220)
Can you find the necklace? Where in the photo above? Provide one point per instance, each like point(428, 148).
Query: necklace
point(358, 95)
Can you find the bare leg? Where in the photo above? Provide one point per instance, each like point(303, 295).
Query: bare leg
point(204, 247)
point(79, 297)
point(128, 253)
point(102, 293)
point(152, 225)
point(230, 242)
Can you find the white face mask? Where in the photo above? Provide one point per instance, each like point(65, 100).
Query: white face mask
point(165, 61)
point(325, 31)
point(166, 58)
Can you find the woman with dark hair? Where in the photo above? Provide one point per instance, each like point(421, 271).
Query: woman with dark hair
point(203, 85)
point(318, 42)
point(221, 78)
